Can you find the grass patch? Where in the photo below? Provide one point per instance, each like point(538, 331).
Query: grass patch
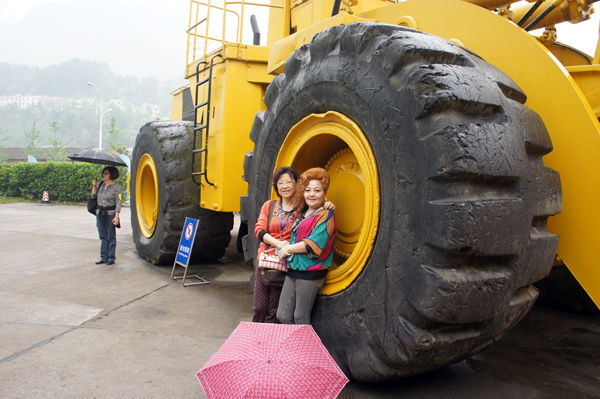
point(11, 200)
point(15, 200)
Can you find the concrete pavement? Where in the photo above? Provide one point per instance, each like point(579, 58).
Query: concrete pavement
point(73, 329)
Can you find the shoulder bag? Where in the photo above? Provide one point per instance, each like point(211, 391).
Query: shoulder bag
point(272, 270)
point(92, 204)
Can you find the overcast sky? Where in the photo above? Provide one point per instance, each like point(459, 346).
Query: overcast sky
point(583, 36)
point(13, 11)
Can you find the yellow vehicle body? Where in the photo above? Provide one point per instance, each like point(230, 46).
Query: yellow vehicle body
point(239, 80)
point(562, 85)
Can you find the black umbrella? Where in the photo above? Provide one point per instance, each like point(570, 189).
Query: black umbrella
point(94, 155)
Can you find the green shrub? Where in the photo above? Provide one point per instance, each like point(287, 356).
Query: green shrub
point(64, 181)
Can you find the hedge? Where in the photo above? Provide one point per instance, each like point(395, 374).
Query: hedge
point(64, 181)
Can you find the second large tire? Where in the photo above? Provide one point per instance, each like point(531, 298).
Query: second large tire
point(464, 195)
point(164, 150)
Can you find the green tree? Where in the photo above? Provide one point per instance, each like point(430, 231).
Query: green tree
point(32, 138)
point(3, 156)
point(71, 106)
point(57, 151)
point(112, 141)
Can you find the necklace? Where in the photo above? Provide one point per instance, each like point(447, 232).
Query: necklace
point(283, 210)
point(281, 221)
point(307, 216)
point(302, 218)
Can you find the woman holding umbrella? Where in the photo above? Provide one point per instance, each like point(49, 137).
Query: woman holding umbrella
point(107, 213)
point(310, 251)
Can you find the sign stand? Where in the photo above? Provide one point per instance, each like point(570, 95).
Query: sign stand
point(184, 252)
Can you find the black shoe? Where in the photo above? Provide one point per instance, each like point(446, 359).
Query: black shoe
point(100, 262)
point(110, 262)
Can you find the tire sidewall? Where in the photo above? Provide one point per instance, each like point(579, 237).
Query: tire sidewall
point(148, 143)
point(350, 102)
point(415, 306)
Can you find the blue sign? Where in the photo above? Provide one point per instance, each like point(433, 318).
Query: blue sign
point(187, 241)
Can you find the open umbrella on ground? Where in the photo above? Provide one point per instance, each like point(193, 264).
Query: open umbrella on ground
point(94, 155)
point(261, 360)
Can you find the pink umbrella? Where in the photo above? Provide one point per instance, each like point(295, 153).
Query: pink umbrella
point(261, 360)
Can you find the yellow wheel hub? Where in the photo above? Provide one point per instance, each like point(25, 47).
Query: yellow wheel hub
point(348, 192)
point(334, 142)
point(146, 198)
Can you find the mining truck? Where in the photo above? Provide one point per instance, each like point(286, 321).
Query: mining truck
point(460, 148)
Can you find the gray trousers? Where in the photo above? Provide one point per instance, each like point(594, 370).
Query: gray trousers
point(297, 299)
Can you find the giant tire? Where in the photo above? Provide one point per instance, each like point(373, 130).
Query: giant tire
point(464, 195)
point(168, 145)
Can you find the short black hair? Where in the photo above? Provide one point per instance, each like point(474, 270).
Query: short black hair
point(282, 171)
point(114, 172)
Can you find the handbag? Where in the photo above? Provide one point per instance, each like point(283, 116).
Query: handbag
point(272, 270)
point(272, 277)
point(267, 261)
point(92, 204)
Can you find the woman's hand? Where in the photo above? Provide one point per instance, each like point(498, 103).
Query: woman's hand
point(282, 244)
point(116, 220)
point(330, 206)
point(95, 182)
point(282, 253)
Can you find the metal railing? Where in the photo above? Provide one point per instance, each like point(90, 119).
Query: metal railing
point(199, 40)
point(198, 128)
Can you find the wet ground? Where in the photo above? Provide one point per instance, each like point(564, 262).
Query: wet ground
point(73, 329)
point(550, 354)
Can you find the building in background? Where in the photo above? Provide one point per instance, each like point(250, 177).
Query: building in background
point(21, 101)
point(153, 108)
point(20, 155)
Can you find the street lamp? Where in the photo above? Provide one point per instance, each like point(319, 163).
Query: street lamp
point(101, 115)
point(108, 110)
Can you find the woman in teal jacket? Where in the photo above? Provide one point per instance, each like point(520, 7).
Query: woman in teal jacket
point(310, 252)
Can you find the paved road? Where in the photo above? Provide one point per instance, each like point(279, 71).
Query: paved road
point(73, 329)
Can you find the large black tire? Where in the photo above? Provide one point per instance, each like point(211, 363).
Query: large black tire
point(170, 146)
point(464, 194)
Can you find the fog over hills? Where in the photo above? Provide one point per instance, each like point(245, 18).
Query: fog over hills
point(144, 38)
point(141, 39)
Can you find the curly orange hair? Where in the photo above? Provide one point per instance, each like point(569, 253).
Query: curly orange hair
point(316, 174)
point(305, 178)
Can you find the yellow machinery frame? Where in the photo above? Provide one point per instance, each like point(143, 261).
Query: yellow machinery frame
point(566, 98)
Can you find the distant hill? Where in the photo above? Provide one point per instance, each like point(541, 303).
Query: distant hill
point(78, 120)
point(135, 38)
point(69, 79)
